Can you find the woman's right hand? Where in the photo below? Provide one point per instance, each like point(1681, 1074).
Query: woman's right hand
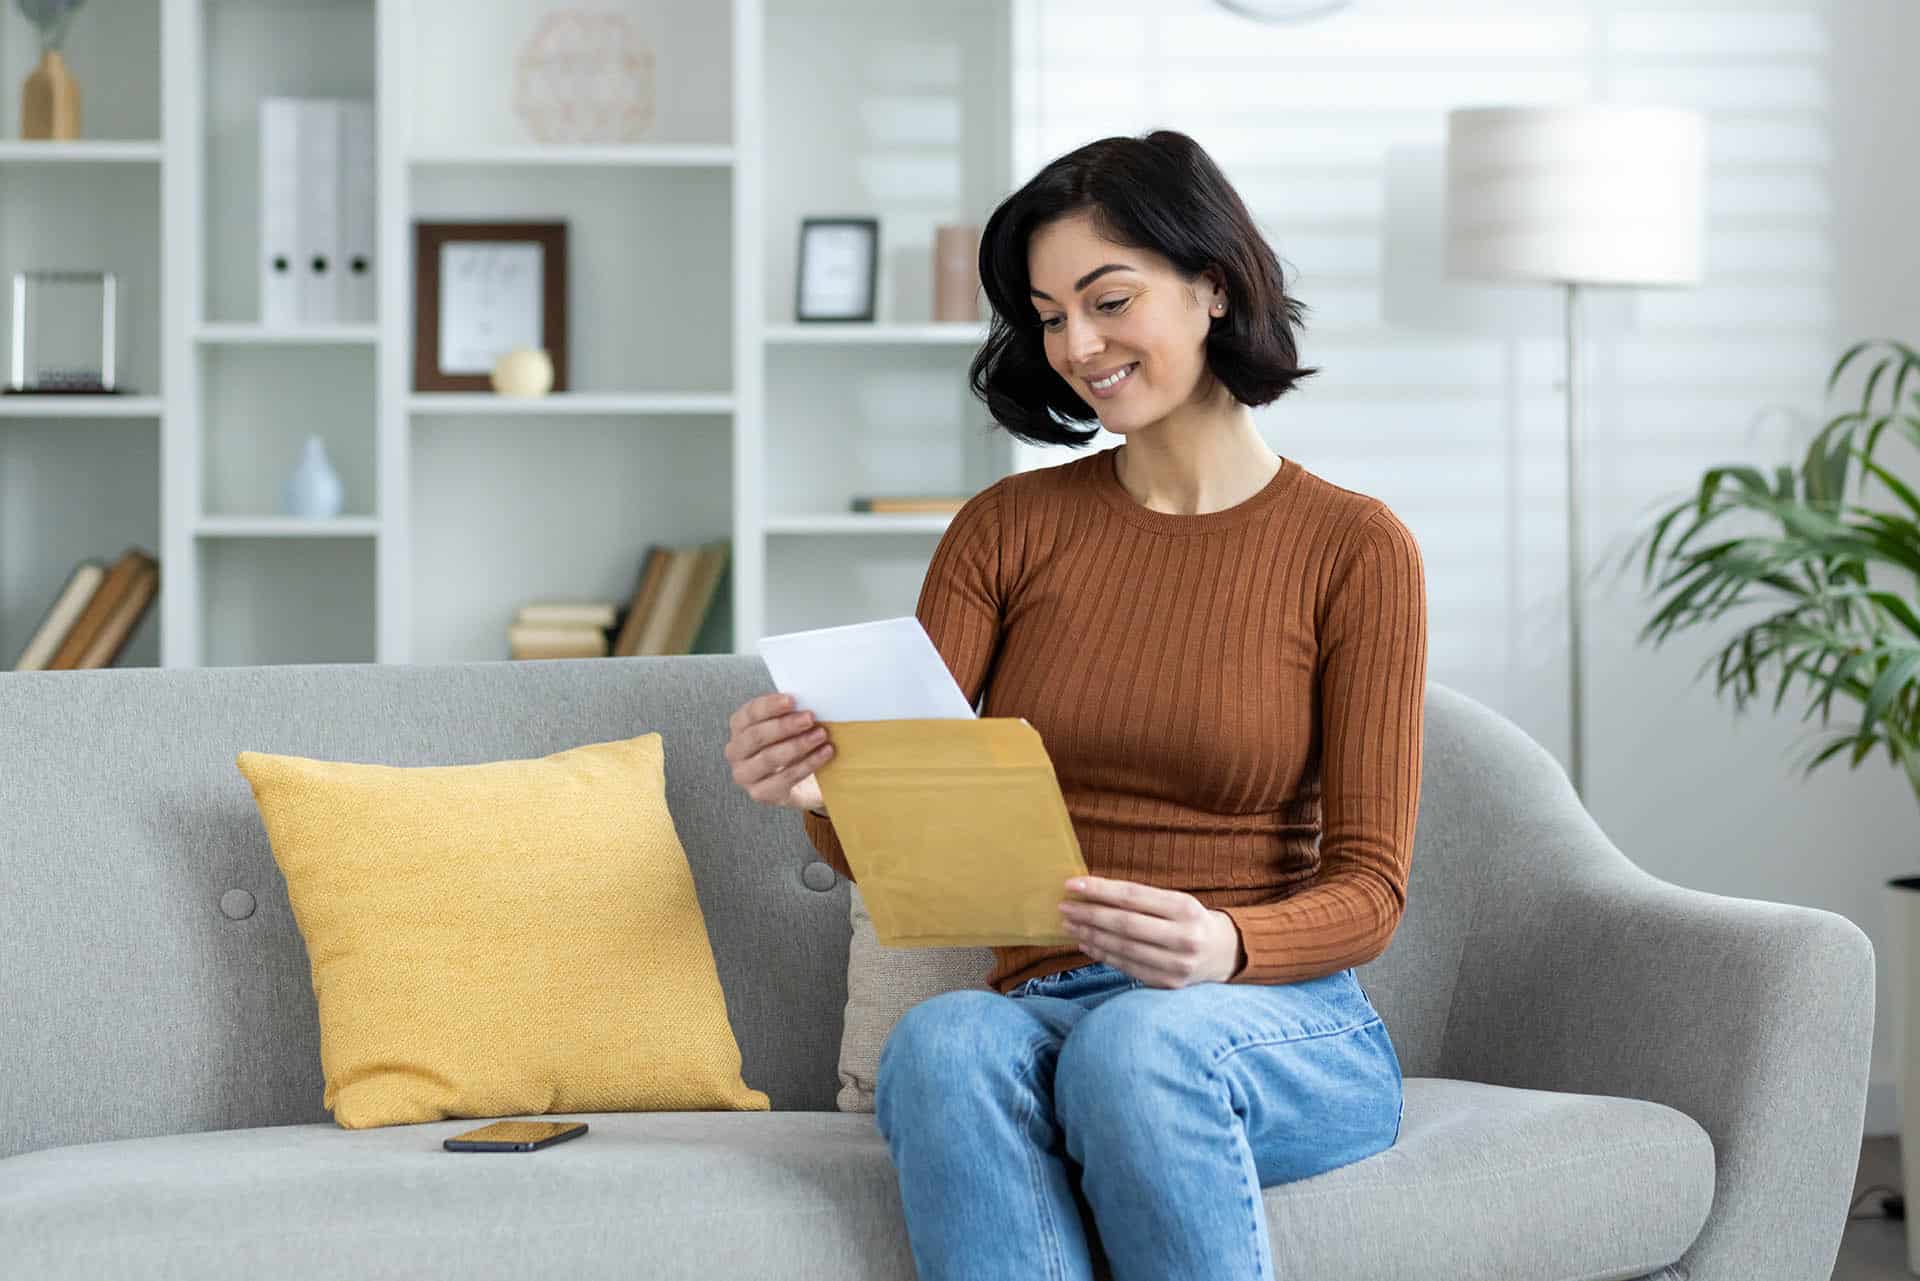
point(775, 750)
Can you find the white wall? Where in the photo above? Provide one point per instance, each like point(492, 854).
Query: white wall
point(1875, 126)
point(1325, 128)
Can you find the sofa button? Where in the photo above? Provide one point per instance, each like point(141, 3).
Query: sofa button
point(237, 903)
point(818, 876)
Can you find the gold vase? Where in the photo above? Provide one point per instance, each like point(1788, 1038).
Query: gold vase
point(50, 101)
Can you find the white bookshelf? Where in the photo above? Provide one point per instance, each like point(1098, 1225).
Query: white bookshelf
point(697, 409)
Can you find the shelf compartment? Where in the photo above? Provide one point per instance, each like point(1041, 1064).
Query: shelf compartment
point(113, 51)
point(84, 217)
point(466, 64)
point(259, 403)
point(506, 511)
point(570, 402)
point(278, 600)
point(73, 491)
point(245, 52)
point(649, 265)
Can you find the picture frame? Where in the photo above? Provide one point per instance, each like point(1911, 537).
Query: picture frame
point(838, 270)
point(482, 289)
point(62, 334)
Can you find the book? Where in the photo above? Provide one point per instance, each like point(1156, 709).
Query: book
point(549, 613)
point(526, 640)
point(114, 633)
point(61, 615)
point(710, 561)
point(897, 503)
point(674, 583)
point(93, 620)
point(652, 569)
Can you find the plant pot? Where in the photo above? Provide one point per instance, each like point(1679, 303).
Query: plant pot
point(1903, 911)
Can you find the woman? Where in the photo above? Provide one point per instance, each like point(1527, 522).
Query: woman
point(1226, 658)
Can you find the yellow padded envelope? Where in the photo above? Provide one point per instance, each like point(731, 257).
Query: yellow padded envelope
point(954, 827)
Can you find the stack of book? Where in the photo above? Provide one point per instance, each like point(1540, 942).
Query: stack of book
point(94, 614)
point(672, 601)
point(561, 629)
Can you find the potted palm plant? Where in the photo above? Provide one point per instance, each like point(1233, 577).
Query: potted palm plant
point(1831, 625)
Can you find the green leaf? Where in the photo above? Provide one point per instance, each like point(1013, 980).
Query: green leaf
point(1893, 679)
point(1846, 359)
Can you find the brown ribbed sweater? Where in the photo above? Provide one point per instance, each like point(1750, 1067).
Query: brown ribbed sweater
point(1233, 701)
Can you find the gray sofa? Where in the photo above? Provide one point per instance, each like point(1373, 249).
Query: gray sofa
point(1608, 1075)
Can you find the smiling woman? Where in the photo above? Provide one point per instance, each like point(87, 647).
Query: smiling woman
point(1225, 656)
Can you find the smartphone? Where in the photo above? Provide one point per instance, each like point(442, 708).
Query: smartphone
point(516, 1136)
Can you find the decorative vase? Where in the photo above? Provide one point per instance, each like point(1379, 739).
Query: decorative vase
point(524, 371)
point(50, 102)
point(956, 273)
point(312, 490)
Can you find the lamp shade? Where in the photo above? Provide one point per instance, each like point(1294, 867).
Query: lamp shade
point(1605, 195)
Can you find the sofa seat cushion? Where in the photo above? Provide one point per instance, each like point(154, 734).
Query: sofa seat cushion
point(1485, 1182)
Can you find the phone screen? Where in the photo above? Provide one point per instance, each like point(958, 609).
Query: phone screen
point(515, 1136)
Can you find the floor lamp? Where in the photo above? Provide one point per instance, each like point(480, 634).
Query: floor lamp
point(1575, 196)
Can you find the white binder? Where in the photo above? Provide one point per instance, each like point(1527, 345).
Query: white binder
point(357, 209)
point(319, 217)
point(280, 248)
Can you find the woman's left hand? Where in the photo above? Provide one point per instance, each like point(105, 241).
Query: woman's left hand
point(1164, 938)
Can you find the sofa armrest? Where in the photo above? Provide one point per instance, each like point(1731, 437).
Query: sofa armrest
point(1754, 1018)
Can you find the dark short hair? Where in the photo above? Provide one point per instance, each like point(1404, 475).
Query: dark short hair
point(1162, 192)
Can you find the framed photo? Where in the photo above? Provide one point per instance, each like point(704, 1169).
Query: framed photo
point(63, 330)
point(839, 259)
point(481, 289)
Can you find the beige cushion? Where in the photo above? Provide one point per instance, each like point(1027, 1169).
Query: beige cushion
point(882, 984)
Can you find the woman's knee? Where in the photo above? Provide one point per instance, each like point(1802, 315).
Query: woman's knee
point(944, 1038)
point(1125, 1048)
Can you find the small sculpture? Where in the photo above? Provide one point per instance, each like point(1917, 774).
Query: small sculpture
point(50, 99)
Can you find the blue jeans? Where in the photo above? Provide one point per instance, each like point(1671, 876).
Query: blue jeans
point(1019, 1122)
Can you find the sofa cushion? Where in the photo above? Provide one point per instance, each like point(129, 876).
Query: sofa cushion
point(882, 984)
point(1487, 1182)
point(515, 937)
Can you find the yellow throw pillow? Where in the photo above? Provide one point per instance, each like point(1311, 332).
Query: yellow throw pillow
point(507, 939)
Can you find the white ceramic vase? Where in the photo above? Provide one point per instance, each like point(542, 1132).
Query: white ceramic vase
point(313, 490)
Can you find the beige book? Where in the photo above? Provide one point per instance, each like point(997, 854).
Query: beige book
point(645, 592)
point(673, 589)
point(67, 607)
point(699, 600)
point(595, 613)
point(581, 642)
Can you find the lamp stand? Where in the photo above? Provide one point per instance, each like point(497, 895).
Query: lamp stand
point(1575, 558)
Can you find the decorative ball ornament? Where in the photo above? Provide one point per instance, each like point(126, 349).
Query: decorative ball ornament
point(524, 371)
point(585, 75)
